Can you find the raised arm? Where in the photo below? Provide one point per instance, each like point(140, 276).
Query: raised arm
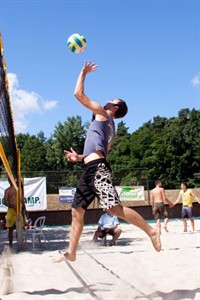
point(80, 94)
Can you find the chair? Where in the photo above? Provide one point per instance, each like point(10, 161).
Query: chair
point(36, 231)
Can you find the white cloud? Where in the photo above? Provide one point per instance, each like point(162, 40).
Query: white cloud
point(24, 103)
point(49, 104)
point(196, 81)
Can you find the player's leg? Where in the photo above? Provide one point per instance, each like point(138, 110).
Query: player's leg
point(192, 223)
point(158, 215)
point(159, 224)
point(75, 233)
point(132, 217)
point(109, 200)
point(165, 216)
point(190, 216)
point(76, 230)
point(184, 215)
point(82, 199)
point(10, 236)
point(184, 225)
point(165, 224)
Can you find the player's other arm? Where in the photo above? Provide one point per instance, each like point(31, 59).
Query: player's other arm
point(73, 156)
point(166, 200)
point(195, 196)
point(6, 198)
point(152, 200)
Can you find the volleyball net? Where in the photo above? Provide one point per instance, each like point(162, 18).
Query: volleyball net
point(9, 152)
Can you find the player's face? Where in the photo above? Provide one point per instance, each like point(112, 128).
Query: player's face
point(183, 187)
point(112, 103)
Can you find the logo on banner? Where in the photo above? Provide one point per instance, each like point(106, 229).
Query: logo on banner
point(130, 193)
point(35, 196)
point(66, 194)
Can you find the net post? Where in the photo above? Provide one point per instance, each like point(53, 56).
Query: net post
point(20, 217)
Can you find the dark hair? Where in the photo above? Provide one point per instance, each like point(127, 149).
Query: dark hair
point(122, 110)
point(158, 181)
point(185, 184)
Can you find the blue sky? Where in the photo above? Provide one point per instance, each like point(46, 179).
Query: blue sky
point(148, 54)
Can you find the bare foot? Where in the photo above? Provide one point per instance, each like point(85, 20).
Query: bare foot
point(65, 257)
point(155, 239)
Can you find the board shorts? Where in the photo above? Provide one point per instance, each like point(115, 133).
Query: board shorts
point(11, 218)
point(160, 211)
point(96, 181)
point(187, 212)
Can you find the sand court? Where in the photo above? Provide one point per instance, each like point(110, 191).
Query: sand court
point(130, 270)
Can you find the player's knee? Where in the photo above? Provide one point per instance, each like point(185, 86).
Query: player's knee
point(77, 214)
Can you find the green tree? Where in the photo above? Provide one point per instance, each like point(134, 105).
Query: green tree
point(69, 134)
point(33, 153)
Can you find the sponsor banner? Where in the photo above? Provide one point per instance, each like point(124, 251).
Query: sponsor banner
point(66, 194)
point(130, 193)
point(35, 194)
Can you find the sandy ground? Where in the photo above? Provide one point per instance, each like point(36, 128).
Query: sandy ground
point(130, 270)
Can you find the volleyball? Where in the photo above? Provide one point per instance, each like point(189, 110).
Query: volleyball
point(76, 43)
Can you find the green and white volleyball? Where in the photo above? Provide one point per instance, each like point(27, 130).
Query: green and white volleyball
point(76, 43)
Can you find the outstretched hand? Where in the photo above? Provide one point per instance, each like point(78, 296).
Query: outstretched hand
point(71, 155)
point(89, 67)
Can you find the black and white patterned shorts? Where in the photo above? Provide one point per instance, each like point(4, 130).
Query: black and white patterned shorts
point(96, 181)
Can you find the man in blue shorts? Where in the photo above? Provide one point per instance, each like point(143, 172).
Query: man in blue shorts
point(186, 195)
point(96, 178)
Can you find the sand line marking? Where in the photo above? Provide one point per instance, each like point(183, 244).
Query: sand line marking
point(114, 274)
point(81, 280)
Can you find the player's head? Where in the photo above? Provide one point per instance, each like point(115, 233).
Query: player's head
point(119, 107)
point(158, 183)
point(184, 185)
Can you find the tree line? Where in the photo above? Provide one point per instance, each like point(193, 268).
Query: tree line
point(163, 148)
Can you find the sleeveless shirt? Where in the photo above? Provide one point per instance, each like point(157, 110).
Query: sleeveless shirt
point(186, 198)
point(100, 135)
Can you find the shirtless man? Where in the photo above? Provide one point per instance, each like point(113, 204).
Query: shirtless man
point(10, 200)
point(158, 199)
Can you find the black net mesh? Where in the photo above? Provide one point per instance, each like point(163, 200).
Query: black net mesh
point(7, 134)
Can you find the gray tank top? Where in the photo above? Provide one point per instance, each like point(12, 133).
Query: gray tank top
point(100, 135)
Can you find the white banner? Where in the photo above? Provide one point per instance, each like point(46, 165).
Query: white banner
point(130, 193)
point(35, 194)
